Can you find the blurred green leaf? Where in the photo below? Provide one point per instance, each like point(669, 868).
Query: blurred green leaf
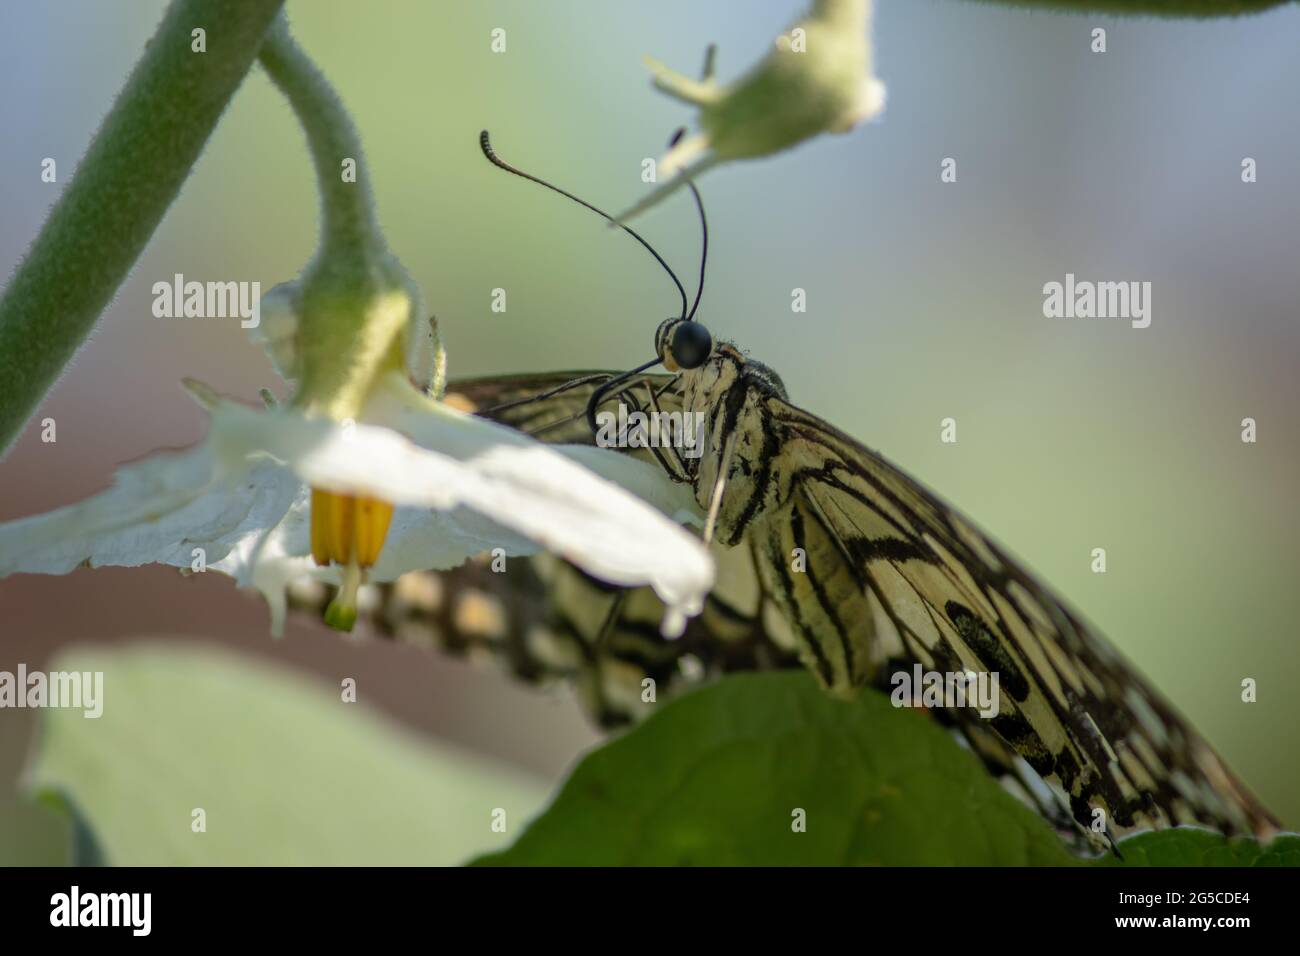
point(716, 777)
point(83, 845)
point(32, 834)
point(285, 771)
point(289, 774)
point(1159, 8)
point(1190, 847)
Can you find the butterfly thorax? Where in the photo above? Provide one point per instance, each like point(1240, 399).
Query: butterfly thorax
point(731, 392)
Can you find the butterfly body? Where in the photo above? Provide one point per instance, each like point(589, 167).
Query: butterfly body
point(866, 572)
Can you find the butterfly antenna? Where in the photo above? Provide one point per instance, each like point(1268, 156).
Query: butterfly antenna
point(704, 250)
point(599, 394)
point(496, 160)
point(699, 205)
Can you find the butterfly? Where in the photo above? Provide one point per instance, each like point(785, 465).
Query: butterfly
point(834, 559)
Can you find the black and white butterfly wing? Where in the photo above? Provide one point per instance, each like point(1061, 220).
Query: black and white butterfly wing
point(891, 576)
point(747, 623)
point(894, 575)
point(550, 406)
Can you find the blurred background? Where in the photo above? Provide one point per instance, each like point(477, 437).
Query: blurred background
point(924, 302)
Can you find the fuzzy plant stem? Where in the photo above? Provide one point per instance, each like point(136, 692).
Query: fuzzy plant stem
point(134, 168)
point(355, 299)
point(349, 227)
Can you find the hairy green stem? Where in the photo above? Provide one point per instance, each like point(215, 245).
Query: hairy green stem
point(355, 299)
point(134, 168)
point(348, 223)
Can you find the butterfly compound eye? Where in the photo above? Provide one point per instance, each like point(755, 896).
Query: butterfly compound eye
point(691, 345)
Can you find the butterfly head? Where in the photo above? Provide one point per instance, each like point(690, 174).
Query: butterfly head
point(683, 344)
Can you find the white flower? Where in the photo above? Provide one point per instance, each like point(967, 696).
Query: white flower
point(817, 79)
point(272, 495)
point(362, 474)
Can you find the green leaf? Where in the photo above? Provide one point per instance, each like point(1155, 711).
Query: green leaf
point(289, 774)
point(1158, 8)
point(83, 847)
point(286, 772)
point(716, 777)
point(1190, 847)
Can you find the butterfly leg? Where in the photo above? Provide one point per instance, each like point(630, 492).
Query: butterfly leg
point(600, 704)
point(677, 470)
point(719, 487)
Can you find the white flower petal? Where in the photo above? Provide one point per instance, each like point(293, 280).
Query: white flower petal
point(541, 493)
point(521, 484)
point(645, 480)
point(241, 497)
point(157, 512)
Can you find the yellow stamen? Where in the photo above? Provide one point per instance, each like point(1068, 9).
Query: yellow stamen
point(348, 529)
point(372, 520)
